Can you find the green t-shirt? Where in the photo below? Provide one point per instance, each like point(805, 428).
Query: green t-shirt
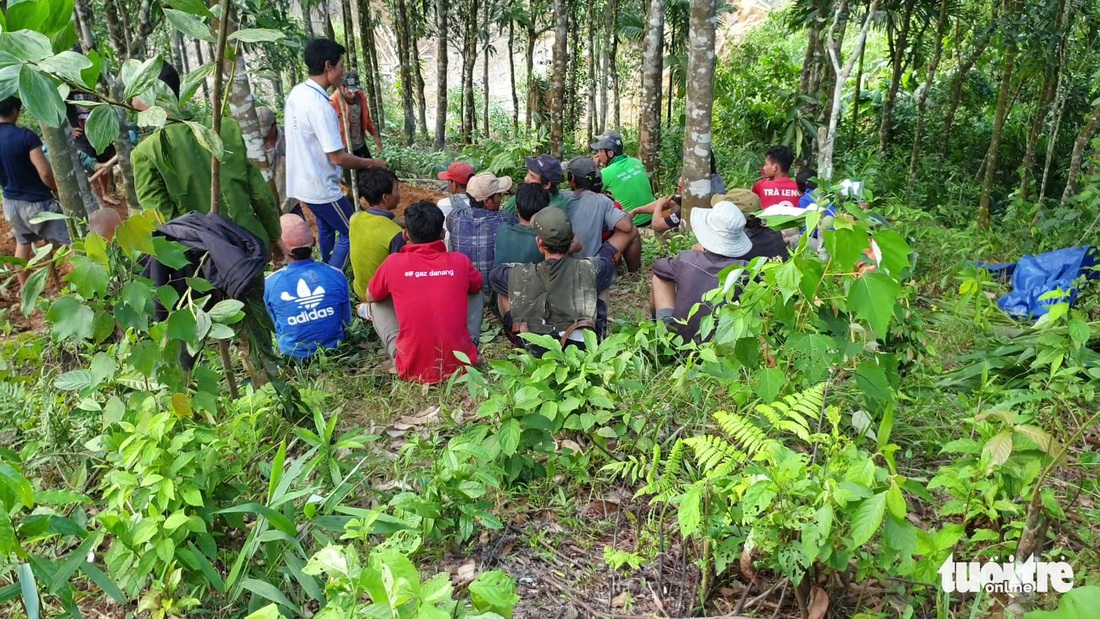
point(626, 179)
point(559, 200)
point(372, 237)
point(516, 243)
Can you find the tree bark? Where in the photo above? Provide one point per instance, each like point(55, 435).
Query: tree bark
point(64, 172)
point(557, 83)
point(1052, 140)
point(1078, 156)
point(441, 74)
point(199, 59)
point(569, 123)
point(469, 59)
point(370, 73)
point(349, 34)
point(404, 60)
point(326, 13)
point(698, 107)
point(512, 73)
point(613, 64)
point(649, 121)
point(485, 72)
point(307, 20)
point(668, 50)
point(857, 95)
point(841, 73)
point(1051, 86)
point(421, 102)
point(593, 121)
point(115, 31)
point(532, 85)
point(897, 64)
point(216, 109)
point(243, 107)
point(926, 92)
point(998, 122)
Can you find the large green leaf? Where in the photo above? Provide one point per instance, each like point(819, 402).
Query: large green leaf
point(28, 15)
point(208, 139)
point(868, 518)
point(193, 81)
point(29, 587)
point(40, 96)
point(90, 76)
point(68, 65)
point(872, 298)
point(191, 7)
point(269, 592)
point(9, 81)
point(88, 277)
point(257, 35)
point(1078, 603)
point(895, 251)
point(190, 25)
point(26, 45)
point(999, 447)
point(70, 319)
point(140, 77)
point(9, 543)
point(36, 283)
point(845, 246)
point(102, 127)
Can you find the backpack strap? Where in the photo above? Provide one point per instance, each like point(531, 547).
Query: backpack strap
point(580, 324)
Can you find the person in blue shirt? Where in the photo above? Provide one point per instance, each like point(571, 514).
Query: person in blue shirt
point(308, 301)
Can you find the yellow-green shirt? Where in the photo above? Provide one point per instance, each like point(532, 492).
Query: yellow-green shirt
point(373, 235)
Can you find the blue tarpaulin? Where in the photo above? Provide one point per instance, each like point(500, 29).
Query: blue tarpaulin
point(1035, 276)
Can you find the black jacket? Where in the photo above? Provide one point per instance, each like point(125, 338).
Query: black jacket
point(234, 257)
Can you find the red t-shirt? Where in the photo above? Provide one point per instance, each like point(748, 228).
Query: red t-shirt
point(429, 286)
point(780, 192)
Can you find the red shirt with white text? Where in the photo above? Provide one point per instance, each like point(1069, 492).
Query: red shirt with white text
point(778, 192)
point(429, 286)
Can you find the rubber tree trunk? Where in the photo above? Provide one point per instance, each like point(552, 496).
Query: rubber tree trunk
point(512, 74)
point(840, 73)
point(441, 38)
point(243, 107)
point(61, 161)
point(925, 93)
point(570, 111)
point(404, 61)
point(998, 123)
point(307, 20)
point(1078, 156)
point(897, 66)
point(370, 64)
point(421, 102)
point(557, 82)
point(613, 63)
point(485, 71)
point(593, 120)
point(469, 59)
point(532, 85)
point(326, 14)
point(649, 118)
point(698, 106)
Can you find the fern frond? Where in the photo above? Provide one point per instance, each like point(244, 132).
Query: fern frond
point(714, 453)
point(743, 432)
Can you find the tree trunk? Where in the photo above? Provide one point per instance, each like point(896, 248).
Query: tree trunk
point(485, 72)
point(421, 102)
point(998, 123)
point(897, 64)
point(61, 161)
point(1051, 86)
point(83, 14)
point(698, 107)
point(856, 96)
point(1052, 140)
point(532, 85)
point(441, 74)
point(224, 18)
point(957, 85)
point(469, 59)
point(243, 106)
point(307, 20)
point(1078, 156)
point(593, 121)
point(408, 83)
point(569, 123)
point(613, 64)
point(330, 32)
point(349, 35)
point(199, 59)
point(512, 74)
point(649, 121)
point(841, 73)
point(557, 83)
point(370, 73)
point(115, 31)
point(926, 92)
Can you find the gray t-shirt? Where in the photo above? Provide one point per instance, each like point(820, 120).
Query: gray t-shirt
point(591, 215)
point(695, 273)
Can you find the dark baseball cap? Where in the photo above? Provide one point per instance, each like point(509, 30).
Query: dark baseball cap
point(552, 225)
point(609, 140)
point(351, 80)
point(547, 167)
point(583, 167)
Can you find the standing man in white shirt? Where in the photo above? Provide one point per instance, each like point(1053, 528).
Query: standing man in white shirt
point(315, 150)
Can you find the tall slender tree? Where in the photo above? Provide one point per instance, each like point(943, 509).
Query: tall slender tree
point(349, 34)
point(898, 47)
point(1010, 11)
point(512, 70)
point(649, 120)
point(925, 92)
point(441, 74)
point(488, 49)
point(557, 82)
point(590, 88)
point(699, 106)
point(613, 64)
point(827, 134)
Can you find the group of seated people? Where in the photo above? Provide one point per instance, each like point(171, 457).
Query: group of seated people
point(543, 259)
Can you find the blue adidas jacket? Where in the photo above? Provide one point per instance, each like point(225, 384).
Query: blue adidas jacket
point(310, 305)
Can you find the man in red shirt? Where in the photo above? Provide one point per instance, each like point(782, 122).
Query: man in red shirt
point(426, 302)
point(777, 188)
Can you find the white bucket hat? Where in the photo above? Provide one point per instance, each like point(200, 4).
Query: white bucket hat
point(721, 230)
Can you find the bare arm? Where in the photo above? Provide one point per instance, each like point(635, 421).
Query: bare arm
point(659, 224)
point(45, 172)
point(577, 246)
point(344, 159)
point(655, 207)
point(622, 234)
